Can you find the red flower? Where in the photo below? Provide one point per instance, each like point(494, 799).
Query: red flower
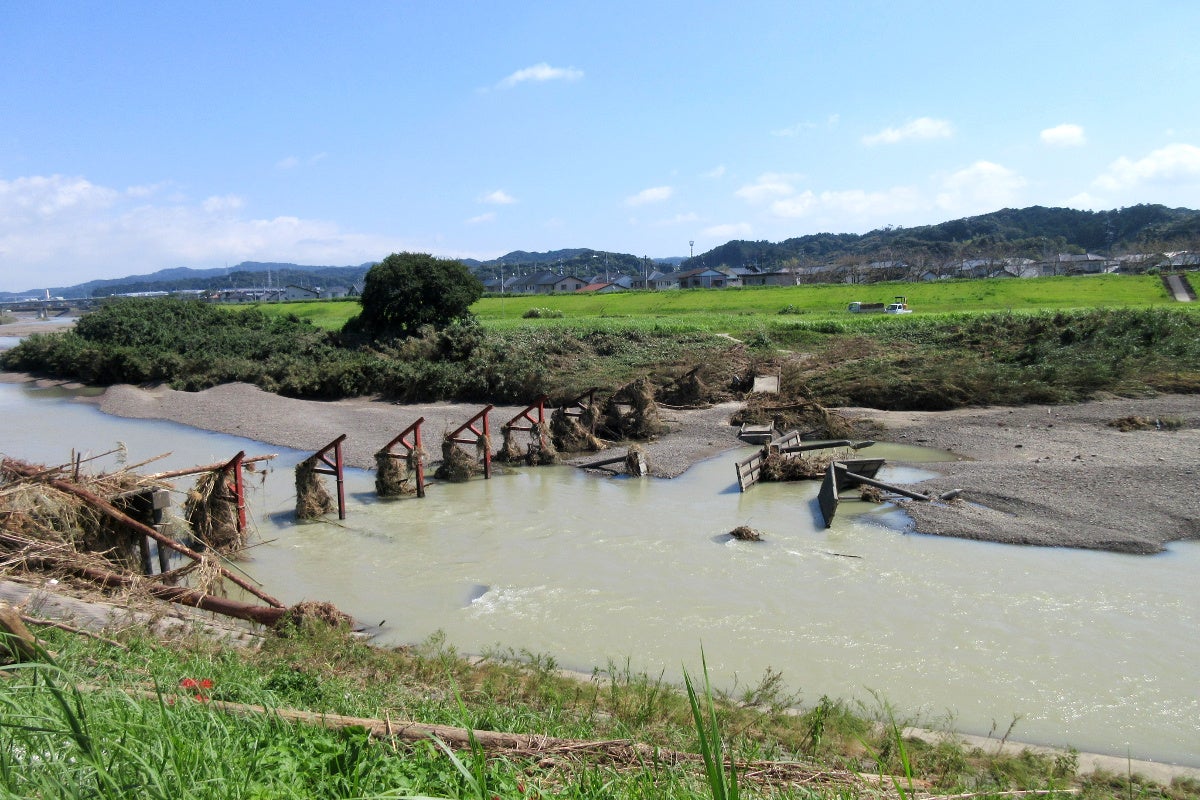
point(206, 683)
point(189, 683)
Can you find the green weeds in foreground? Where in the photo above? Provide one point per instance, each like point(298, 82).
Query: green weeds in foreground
point(96, 722)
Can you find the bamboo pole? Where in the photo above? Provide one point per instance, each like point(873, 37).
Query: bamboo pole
point(159, 476)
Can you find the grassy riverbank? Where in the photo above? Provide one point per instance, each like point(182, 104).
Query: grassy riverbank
point(193, 720)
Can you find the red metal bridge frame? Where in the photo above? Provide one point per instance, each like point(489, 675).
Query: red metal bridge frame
point(409, 448)
point(334, 468)
point(469, 425)
point(530, 423)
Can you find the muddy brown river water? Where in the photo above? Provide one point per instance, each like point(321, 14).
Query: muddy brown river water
point(1089, 649)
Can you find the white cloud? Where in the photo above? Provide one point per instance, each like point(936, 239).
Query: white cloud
point(540, 73)
point(489, 216)
point(851, 202)
point(715, 172)
point(769, 185)
point(1085, 202)
point(736, 230)
point(678, 219)
point(292, 162)
point(218, 205)
point(1174, 164)
point(794, 130)
point(980, 188)
point(61, 230)
point(498, 198)
point(921, 128)
point(50, 197)
point(655, 194)
point(1065, 135)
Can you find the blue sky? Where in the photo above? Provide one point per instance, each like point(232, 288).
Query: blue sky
point(140, 136)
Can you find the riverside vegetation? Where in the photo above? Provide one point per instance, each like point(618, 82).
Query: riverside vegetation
point(1010, 342)
point(137, 718)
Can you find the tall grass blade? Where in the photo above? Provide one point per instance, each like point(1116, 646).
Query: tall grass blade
point(711, 749)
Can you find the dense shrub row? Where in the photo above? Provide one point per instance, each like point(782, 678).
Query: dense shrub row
point(955, 360)
point(193, 346)
point(921, 362)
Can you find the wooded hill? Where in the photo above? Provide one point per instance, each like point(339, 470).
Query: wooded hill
point(1036, 232)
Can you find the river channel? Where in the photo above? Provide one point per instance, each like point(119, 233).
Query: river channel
point(1092, 650)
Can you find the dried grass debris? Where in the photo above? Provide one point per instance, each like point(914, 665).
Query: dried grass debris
point(313, 500)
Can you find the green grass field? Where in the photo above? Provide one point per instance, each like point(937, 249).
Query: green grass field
point(730, 310)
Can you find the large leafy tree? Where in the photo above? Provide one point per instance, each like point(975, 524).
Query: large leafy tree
point(408, 290)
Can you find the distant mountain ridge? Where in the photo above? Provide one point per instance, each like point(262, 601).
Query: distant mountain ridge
point(1034, 232)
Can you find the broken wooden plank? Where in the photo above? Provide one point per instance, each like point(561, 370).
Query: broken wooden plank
point(604, 462)
point(756, 434)
point(749, 470)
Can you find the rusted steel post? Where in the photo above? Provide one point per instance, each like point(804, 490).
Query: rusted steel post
point(487, 447)
point(334, 468)
point(413, 450)
point(239, 488)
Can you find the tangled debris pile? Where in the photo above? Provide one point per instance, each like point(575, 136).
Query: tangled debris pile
point(807, 415)
point(458, 466)
point(632, 413)
point(312, 498)
point(395, 475)
point(86, 528)
point(575, 433)
point(539, 449)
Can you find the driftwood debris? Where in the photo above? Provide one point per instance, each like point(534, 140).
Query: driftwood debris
point(745, 533)
point(611, 751)
point(17, 644)
point(115, 514)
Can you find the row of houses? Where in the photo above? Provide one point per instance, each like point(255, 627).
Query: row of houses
point(549, 282)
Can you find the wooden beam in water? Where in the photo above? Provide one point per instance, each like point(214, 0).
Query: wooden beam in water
point(855, 479)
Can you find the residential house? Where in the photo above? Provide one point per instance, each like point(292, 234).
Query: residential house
point(707, 278)
point(602, 287)
point(785, 276)
point(293, 292)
